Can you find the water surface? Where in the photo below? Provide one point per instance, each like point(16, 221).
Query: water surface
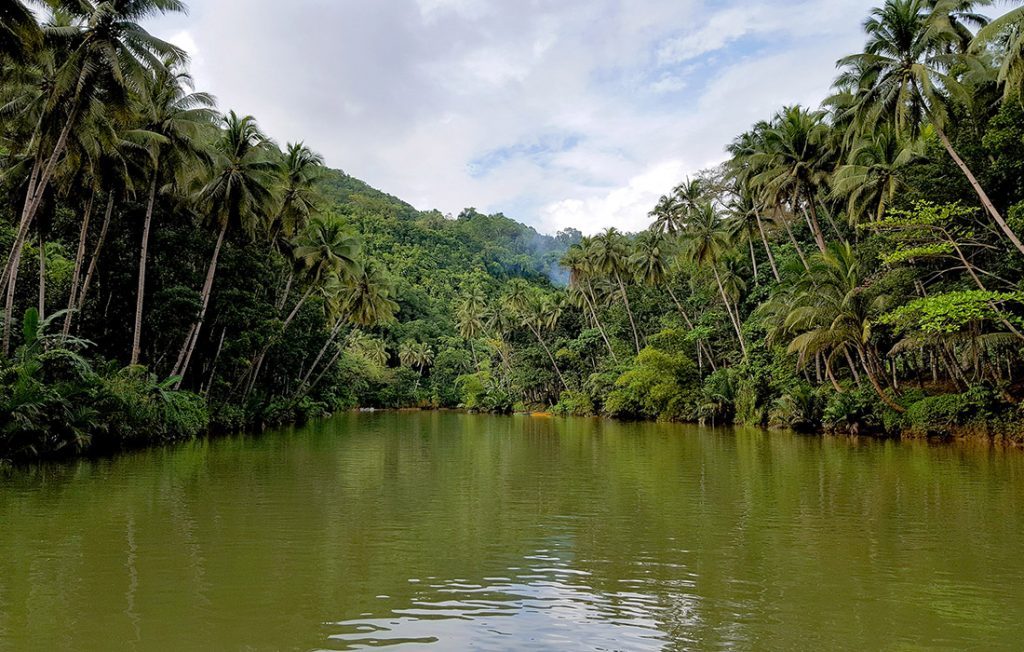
point(449, 532)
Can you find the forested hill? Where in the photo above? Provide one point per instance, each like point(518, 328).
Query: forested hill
point(426, 248)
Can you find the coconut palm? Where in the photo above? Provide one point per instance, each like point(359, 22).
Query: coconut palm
point(796, 162)
point(668, 215)
point(705, 243)
point(19, 31)
point(535, 311)
point(907, 83)
point(1006, 34)
point(581, 284)
point(237, 194)
point(301, 167)
point(831, 313)
point(173, 118)
point(416, 355)
point(108, 55)
point(874, 174)
point(609, 254)
point(470, 315)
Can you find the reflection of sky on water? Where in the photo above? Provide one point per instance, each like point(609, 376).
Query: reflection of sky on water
point(543, 603)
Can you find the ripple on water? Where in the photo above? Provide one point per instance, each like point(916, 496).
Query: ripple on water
point(543, 608)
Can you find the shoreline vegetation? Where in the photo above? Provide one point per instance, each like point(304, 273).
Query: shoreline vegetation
point(170, 270)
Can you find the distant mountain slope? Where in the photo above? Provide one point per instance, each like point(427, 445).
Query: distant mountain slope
point(420, 245)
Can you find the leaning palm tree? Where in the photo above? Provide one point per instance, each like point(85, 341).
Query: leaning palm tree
point(535, 311)
point(325, 250)
point(797, 162)
point(301, 167)
point(237, 194)
point(108, 55)
point(609, 254)
point(705, 244)
point(907, 83)
point(174, 120)
point(416, 355)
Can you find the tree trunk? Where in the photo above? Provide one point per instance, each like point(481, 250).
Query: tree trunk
point(767, 248)
point(83, 237)
point(323, 351)
point(689, 324)
point(140, 296)
point(213, 367)
point(796, 245)
point(819, 237)
point(94, 261)
point(985, 201)
point(629, 311)
point(592, 300)
point(9, 311)
point(34, 197)
point(753, 261)
point(728, 308)
point(185, 357)
point(873, 379)
point(554, 364)
point(42, 274)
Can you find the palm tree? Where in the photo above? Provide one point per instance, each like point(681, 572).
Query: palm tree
point(668, 215)
point(536, 312)
point(109, 54)
point(301, 168)
point(325, 250)
point(874, 173)
point(706, 242)
point(470, 316)
point(19, 31)
point(580, 269)
point(362, 300)
point(831, 313)
point(797, 161)
point(1006, 33)
point(907, 83)
point(609, 254)
point(237, 194)
point(651, 263)
point(173, 120)
point(416, 355)
point(751, 154)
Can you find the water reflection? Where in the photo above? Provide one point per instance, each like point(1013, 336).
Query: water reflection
point(447, 531)
point(542, 604)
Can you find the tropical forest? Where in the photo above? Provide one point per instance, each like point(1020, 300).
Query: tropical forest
point(170, 270)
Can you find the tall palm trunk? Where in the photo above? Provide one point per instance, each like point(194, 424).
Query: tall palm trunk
point(551, 357)
point(753, 261)
point(94, 261)
point(792, 239)
point(76, 277)
point(592, 301)
point(320, 356)
point(728, 308)
point(812, 219)
point(767, 248)
point(701, 344)
point(629, 311)
point(982, 195)
point(143, 256)
point(39, 180)
point(258, 363)
point(9, 311)
point(42, 273)
point(185, 356)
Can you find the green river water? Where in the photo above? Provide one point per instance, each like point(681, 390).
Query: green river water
point(445, 531)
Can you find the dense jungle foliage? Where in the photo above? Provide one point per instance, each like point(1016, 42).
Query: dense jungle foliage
point(170, 269)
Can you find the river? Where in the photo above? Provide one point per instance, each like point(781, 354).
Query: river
point(446, 531)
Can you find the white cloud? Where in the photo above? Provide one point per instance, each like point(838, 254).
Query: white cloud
point(407, 94)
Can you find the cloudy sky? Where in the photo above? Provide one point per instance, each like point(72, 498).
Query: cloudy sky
point(557, 113)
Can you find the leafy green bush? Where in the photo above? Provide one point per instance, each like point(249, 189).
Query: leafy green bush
point(799, 409)
point(659, 386)
point(574, 403)
point(939, 415)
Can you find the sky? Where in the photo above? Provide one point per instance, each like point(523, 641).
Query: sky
point(557, 113)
